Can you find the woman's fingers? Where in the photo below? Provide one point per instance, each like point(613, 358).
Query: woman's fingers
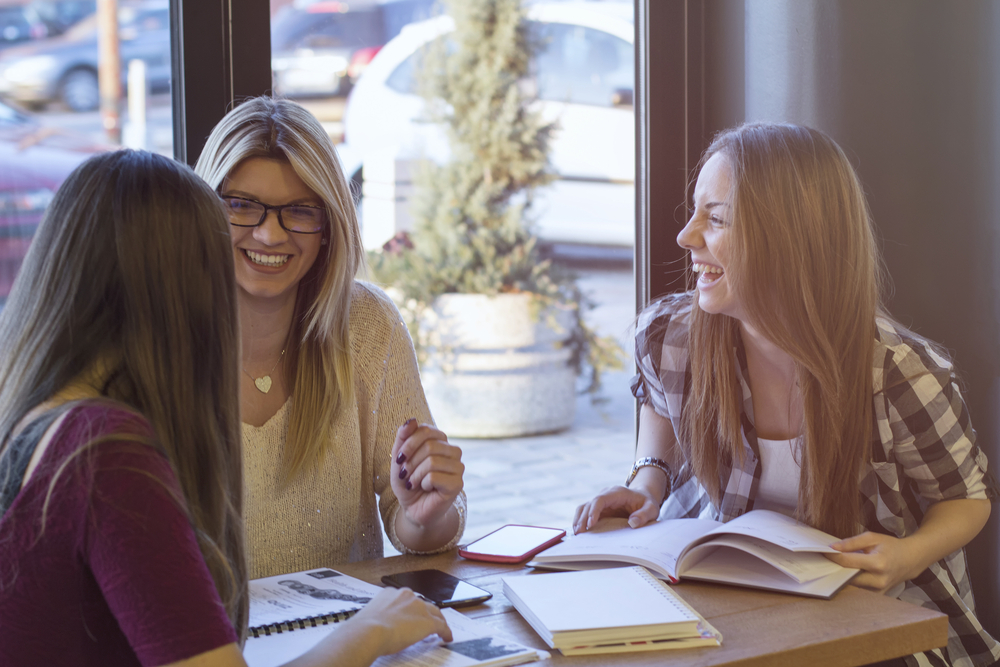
point(412, 436)
point(613, 501)
point(410, 618)
point(439, 468)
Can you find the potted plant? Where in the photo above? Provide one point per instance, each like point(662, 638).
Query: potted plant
point(499, 328)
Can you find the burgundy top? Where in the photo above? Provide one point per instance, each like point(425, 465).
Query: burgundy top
point(116, 576)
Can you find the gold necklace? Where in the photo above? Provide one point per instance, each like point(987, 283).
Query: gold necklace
point(263, 383)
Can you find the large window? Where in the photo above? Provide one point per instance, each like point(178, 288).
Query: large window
point(50, 99)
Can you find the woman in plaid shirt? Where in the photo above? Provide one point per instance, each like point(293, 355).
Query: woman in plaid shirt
point(781, 383)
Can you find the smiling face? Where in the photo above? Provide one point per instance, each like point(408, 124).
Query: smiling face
point(706, 236)
point(271, 262)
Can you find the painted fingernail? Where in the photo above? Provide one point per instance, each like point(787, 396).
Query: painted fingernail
point(409, 421)
point(401, 458)
point(402, 473)
point(408, 485)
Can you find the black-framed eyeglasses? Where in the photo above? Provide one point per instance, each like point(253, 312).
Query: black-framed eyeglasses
point(298, 218)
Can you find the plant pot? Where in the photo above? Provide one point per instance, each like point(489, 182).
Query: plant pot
point(495, 366)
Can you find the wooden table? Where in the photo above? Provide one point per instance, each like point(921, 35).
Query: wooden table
point(759, 629)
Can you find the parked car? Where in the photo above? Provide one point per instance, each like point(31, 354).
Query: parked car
point(584, 78)
point(34, 161)
point(20, 23)
point(64, 68)
point(320, 48)
point(61, 15)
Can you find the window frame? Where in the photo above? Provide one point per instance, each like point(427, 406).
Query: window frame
point(669, 131)
point(203, 32)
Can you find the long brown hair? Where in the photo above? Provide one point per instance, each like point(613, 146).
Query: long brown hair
point(133, 262)
point(804, 266)
point(319, 342)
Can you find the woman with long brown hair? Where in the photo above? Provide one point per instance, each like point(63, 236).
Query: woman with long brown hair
point(120, 467)
point(333, 412)
point(781, 383)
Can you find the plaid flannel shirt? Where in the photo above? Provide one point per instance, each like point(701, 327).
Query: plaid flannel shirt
point(923, 451)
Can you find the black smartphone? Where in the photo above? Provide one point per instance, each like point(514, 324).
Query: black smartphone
point(438, 587)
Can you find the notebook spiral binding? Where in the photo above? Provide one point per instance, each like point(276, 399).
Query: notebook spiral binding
point(300, 623)
point(665, 591)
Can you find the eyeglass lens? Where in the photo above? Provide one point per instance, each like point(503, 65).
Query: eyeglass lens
point(248, 213)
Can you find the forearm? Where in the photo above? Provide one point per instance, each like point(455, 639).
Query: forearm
point(656, 439)
point(948, 526)
point(430, 536)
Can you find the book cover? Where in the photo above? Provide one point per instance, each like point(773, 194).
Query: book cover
point(575, 610)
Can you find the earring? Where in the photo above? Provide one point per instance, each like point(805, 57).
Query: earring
point(322, 242)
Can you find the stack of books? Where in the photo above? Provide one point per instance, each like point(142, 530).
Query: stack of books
point(607, 611)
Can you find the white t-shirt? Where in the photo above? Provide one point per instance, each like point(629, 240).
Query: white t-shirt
point(778, 489)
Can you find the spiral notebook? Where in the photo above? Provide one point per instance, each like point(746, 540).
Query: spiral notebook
point(305, 599)
point(609, 610)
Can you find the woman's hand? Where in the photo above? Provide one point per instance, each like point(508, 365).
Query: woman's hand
point(426, 472)
point(393, 620)
point(636, 503)
point(398, 618)
point(884, 560)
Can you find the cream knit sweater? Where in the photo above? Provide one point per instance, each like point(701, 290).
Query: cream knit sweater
point(328, 515)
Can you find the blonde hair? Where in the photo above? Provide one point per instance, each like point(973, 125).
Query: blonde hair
point(805, 268)
point(319, 341)
point(132, 263)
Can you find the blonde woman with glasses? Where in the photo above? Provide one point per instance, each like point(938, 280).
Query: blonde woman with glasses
point(121, 536)
point(330, 397)
point(780, 383)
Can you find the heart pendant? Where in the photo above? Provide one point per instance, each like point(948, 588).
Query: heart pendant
point(263, 384)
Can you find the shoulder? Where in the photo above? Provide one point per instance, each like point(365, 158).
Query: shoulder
point(901, 356)
point(665, 321)
point(113, 435)
point(107, 417)
point(371, 308)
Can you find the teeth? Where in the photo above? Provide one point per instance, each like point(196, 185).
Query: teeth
point(705, 268)
point(266, 260)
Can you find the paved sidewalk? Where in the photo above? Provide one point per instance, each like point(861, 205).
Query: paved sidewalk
point(539, 480)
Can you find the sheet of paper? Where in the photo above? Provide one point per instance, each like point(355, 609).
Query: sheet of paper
point(298, 595)
point(475, 644)
point(781, 530)
point(801, 566)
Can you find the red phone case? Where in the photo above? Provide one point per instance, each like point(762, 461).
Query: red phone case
point(495, 558)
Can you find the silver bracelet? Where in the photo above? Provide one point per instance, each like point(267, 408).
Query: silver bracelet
point(651, 462)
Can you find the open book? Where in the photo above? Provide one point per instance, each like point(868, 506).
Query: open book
point(761, 549)
point(291, 613)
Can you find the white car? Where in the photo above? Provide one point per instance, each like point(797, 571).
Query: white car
point(585, 77)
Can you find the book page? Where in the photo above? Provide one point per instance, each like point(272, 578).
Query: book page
point(778, 529)
point(802, 566)
point(474, 644)
point(656, 545)
point(728, 566)
point(320, 592)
